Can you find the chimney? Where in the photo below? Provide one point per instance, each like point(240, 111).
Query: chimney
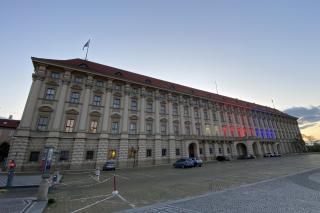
point(10, 117)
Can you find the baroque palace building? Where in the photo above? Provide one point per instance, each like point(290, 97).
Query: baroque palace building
point(90, 113)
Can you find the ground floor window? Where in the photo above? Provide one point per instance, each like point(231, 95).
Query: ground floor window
point(220, 151)
point(228, 150)
point(177, 151)
point(210, 150)
point(64, 155)
point(34, 156)
point(132, 153)
point(89, 155)
point(149, 152)
point(164, 152)
point(112, 154)
point(200, 150)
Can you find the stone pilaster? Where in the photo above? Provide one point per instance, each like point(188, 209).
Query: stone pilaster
point(58, 116)
point(142, 132)
point(85, 106)
point(207, 155)
point(123, 149)
point(77, 155)
point(29, 109)
point(172, 144)
point(103, 143)
point(157, 142)
point(193, 121)
point(182, 124)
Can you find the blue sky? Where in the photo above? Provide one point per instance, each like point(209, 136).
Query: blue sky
point(255, 50)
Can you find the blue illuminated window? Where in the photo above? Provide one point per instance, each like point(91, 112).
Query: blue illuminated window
point(262, 133)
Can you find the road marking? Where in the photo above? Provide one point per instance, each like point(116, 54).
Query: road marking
point(85, 198)
point(95, 203)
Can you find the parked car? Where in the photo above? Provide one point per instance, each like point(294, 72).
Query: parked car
point(222, 158)
point(276, 155)
point(183, 163)
point(268, 155)
point(197, 162)
point(109, 165)
point(245, 157)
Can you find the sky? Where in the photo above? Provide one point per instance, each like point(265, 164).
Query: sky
point(254, 50)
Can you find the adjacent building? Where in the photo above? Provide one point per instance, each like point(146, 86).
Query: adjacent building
point(7, 130)
point(90, 113)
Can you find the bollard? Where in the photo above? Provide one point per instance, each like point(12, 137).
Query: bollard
point(10, 177)
point(98, 174)
point(43, 189)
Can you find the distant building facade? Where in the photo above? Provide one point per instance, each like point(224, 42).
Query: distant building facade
point(7, 130)
point(90, 113)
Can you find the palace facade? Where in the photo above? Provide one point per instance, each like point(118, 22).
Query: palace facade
point(90, 113)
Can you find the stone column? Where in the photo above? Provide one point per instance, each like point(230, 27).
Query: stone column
point(172, 144)
point(102, 151)
point(182, 125)
point(216, 147)
point(225, 147)
point(207, 152)
point(157, 147)
point(203, 123)
point(32, 100)
point(193, 121)
point(249, 148)
point(79, 142)
point(58, 116)
point(142, 132)
point(123, 149)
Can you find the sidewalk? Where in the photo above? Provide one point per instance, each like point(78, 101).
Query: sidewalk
point(26, 204)
point(23, 180)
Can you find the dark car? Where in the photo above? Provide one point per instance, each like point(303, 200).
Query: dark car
point(197, 162)
point(222, 158)
point(109, 165)
point(184, 163)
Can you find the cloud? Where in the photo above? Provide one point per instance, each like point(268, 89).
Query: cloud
point(306, 115)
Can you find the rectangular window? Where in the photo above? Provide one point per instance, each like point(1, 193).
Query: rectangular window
point(230, 118)
point(196, 113)
point(164, 152)
point(89, 155)
point(198, 130)
point(200, 151)
point(112, 154)
point(175, 110)
point(69, 125)
point(117, 87)
point(222, 116)
point(149, 107)
point(220, 151)
point(75, 97)
point(176, 129)
point(55, 75)
point(186, 111)
point(188, 132)
point(43, 123)
point(214, 116)
point(163, 109)
point(205, 115)
point(64, 156)
point(149, 152)
point(133, 128)
point(78, 79)
point(163, 129)
point(97, 100)
point(115, 128)
point(50, 94)
point(210, 150)
point(34, 156)
point(116, 103)
point(177, 151)
point(99, 83)
point(93, 126)
point(149, 128)
point(134, 105)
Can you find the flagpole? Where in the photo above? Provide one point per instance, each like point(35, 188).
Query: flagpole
point(86, 53)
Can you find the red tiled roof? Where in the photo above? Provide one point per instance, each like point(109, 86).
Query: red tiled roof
point(8, 123)
point(153, 82)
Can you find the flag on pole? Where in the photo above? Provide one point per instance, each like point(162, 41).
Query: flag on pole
point(86, 45)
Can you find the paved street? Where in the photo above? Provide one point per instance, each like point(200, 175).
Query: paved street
point(80, 192)
point(296, 193)
point(148, 186)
